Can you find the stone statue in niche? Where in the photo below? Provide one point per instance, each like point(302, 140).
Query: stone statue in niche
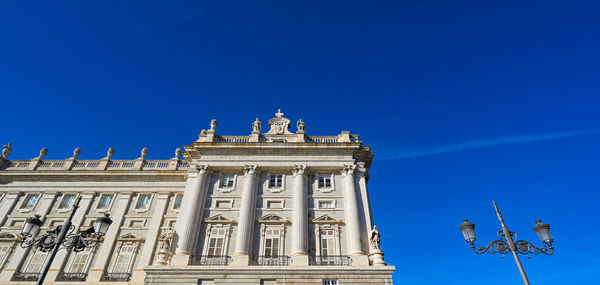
point(165, 251)
point(375, 240)
point(256, 126)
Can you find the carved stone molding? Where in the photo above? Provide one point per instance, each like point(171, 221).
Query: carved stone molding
point(299, 169)
point(250, 169)
point(349, 169)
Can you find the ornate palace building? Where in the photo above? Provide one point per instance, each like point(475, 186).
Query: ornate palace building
point(271, 207)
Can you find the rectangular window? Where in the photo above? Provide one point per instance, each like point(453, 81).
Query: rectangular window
point(326, 204)
point(324, 180)
point(67, 202)
point(124, 258)
point(143, 201)
point(330, 282)
point(105, 201)
point(36, 262)
point(327, 247)
point(216, 242)
point(272, 242)
point(178, 200)
point(227, 180)
point(79, 261)
point(275, 180)
point(30, 201)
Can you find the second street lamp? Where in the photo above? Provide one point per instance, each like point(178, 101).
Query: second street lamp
point(507, 244)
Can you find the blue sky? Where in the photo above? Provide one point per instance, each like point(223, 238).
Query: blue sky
point(464, 102)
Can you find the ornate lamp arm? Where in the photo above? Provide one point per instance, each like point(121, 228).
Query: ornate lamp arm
point(527, 248)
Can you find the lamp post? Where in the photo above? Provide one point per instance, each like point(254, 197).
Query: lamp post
point(63, 236)
point(506, 244)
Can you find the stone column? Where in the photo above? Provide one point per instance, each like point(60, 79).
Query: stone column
point(246, 218)
point(352, 213)
point(299, 218)
point(189, 215)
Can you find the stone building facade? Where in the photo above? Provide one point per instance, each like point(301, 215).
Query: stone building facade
point(271, 207)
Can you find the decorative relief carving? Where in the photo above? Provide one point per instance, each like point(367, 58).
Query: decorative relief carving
point(299, 169)
point(279, 125)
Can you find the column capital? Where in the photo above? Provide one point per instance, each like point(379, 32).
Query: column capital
point(299, 169)
point(198, 169)
point(250, 169)
point(348, 169)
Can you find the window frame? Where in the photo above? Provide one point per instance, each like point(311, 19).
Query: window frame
point(218, 200)
point(325, 188)
point(23, 208)
point(86, 264)
point(227, 188)
point(31, 259)
point(209, 236)
point(267, 201)
point(137, 201)
point(112, 201)
point(60, 207)
point(177, 196)
point(333, 202)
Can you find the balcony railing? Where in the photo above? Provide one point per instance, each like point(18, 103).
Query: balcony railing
point(25, 276)
point(115, 277)
point(71, 277)
point(276, 260)
point(332, 260)
point(210, 260)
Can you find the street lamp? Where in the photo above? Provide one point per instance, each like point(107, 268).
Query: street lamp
point(505, 244)
point(63, 236)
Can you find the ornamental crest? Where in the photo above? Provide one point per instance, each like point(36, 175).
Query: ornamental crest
point(279, 125)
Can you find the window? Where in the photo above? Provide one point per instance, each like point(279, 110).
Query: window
point(67, 202)
point(143, 201)
point(324, 180)
point(227, 180)
point(79, 262)
point(178, 200)
point(326, 204)
point(105, 201)
point(30, 201)
point(271, 242)
point(216, 242)
point(124, 259)
point(36, 262)
point(327, 242)
point(330, 282)
point(275, 180)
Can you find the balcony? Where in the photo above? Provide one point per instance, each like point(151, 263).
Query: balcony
point(25, 276)
point(116, 277)
point(330, 260)
point(71, 277)
point(274, 260)
point(221, 260)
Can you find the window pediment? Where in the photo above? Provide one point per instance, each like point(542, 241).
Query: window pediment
point(129, 237)
point(326, 219)
point(219, 219)
point(272, 219)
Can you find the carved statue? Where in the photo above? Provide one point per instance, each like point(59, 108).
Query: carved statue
point(144, 153)
point(213, 125)
point(256, 126)
point(6, 150)
point(375, 240)
point(109, 153)
point(43, 153)
point(301, 126)
point(167, 240)
point(177, 153)
point(76, 153)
